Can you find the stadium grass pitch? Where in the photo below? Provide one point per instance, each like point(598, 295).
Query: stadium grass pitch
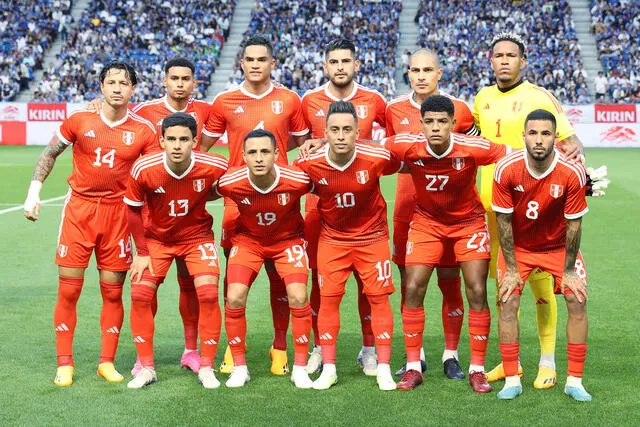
point(27, 354)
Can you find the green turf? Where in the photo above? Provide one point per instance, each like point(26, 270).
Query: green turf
point(27, 354)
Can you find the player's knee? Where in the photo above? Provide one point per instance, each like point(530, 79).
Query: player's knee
point(186, 283)
point(509, 309)
point(378, 300)
point(207, 294)
point(111, 292)
point(297, 299)
point(576, 309)
point(142, 293)
point(237, 295)
point(69, 289)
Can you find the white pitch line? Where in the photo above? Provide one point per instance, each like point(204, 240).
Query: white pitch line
point(21, 207)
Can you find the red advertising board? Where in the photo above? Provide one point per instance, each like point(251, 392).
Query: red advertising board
point(613, 113)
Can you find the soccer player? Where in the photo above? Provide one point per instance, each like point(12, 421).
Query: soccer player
point(448, 213)
point(340, 66)
point(403, 117)
point(539, 200)
point(175, 185)
point(353, 235)
point(257, 104)
point(105, 146)
point(499, 112)
point(270, 226)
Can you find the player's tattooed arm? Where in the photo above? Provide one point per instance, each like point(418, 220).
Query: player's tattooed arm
point(511, 279)
point(47, 160)
point(574, 234)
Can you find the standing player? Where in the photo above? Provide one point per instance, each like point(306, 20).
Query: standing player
point(539, 200)
point(340, 67)
point(270, 226)
point(448, 213)
point(353, 235)
point(175, 184)
point(499, 111)
point(105, 146)
point(257, 104)
point(403, 117)
point(179, 81)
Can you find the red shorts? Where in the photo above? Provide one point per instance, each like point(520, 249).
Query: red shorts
point(90, 224)
point(311, 235)
point(200, 257)
point(550, 262)
point(428, 240)
point(400, 235)
point(247, 256)
point(371, 262)
point(229, 219)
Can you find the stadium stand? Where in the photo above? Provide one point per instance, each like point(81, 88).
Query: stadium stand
point(460, 32)
point(300, 30)
point(146, 34)
point(616, 25)
point(27, 29)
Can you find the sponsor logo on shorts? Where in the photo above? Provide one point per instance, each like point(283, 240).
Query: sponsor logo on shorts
point(199, 184)
point(362, 177)
point(283, 199)
point(277, 107)
point(556, 190)
point(128, 137)
point(63, 250)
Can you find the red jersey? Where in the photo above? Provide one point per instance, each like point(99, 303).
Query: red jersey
point(403, 117)
point(446, 184)
point(238, 112)
point(104, 152)
point(352, 209)
point(540, 204)
point(176, 204)
point(370, 106)
point(271, 215)
point(156, 110)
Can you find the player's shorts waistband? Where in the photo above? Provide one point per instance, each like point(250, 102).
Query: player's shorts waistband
point(182, 241)
point(107, 199)
point(359, 243)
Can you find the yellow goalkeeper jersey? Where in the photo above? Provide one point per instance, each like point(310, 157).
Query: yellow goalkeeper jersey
point(500, 115)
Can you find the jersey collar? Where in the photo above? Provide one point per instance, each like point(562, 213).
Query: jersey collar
point(268, 190)
point(446, 153)
point(173, 110)
point(336, 166)
point(185, 173)
point(251, 95)
point(114, 124)
point(347, 98)
point(556, 156)
point(513, 86)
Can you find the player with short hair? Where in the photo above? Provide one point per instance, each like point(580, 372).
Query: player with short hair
point(499, 112)
point(403, 117)
point(270, 226)
point(340, 66)
point(105, 146)
point(175, 185)
point(353, 235)
point(257, 104)
point(539, 200)
point(448, 212)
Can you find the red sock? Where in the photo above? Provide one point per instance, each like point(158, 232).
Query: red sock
point(479, 327)
point(413, 328)
point(452, 311)
point(364, 309)
point(111, 319)
point(576, 355)
point(209, 323)
point(142, 323)
point(235, 323)
point(315, 306)
point(300, 329)
point(189, 310)
point(382, 324)
point(510, 353)
point(65, 318)
point(279, 310)
point(154, 305)
point(329, 326)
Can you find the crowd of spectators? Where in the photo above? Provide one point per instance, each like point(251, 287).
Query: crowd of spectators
point(27, 30)
point(616, 25)
point(299, 30)
point(147, 34)
point(460, 32)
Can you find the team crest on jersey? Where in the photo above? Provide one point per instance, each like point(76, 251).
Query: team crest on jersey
point(362, 111)
point(517, 106)
point(457, 163)
point(362, 177)
point(128, 137)
point(277, 107)
point(283, 199)
point(199, 184)
point(556, 190)
point(63, 250)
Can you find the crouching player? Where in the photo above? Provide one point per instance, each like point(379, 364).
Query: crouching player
point(353, 235)
point(270, 227)
point(175, 184)
point(539, 200)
